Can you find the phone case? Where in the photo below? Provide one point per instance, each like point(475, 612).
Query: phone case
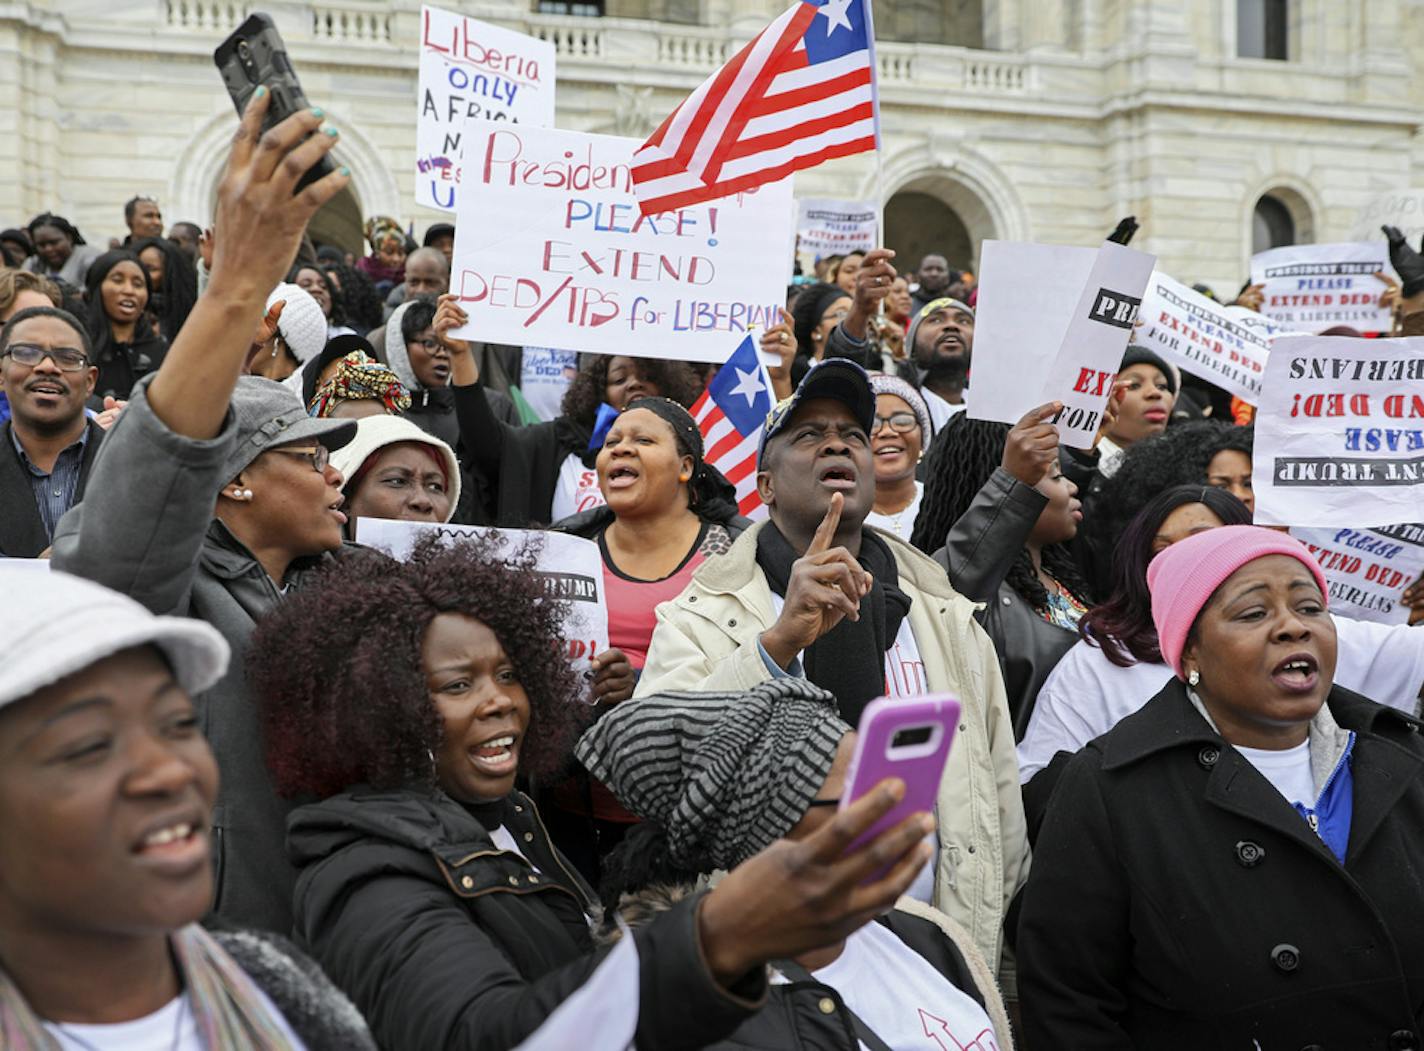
point(255, 54)
point(909, 739)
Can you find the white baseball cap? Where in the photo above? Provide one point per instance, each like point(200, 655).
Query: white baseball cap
point(55, 625)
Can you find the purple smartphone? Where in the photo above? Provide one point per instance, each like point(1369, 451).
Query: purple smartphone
point(908, 739)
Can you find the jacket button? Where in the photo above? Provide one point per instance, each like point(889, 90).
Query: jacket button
point(691, 598)
point(1403, 1040)
point(1006, 600)
point(827, 1006)
point(467, 882)
point(1208, 756)
point(514, 881)
point(529, 837)
point(1250, 854)
point(533, 879)
point(732, 623)
point(1286, 958)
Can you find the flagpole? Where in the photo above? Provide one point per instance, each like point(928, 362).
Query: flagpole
point(879, 144)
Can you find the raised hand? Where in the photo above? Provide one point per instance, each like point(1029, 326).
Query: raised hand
point(1032, 444)
point(780, 340)
point(872, 284)
point(826, 585)
point(613, 678)
point(797, 896)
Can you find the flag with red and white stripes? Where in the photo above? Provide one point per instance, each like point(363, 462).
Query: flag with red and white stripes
point(803, 91)
point(730, 414)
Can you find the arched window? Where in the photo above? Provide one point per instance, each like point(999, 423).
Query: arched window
point(1263, 29)
point(1272, 225)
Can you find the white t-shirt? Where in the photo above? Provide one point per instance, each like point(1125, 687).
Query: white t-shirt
point(505, 841)
point(1086, 694)
point(904, 1000)
point(577, 489)
point(1288, 769)
point(941, 410)
point(164, 1030)
point(902, 524)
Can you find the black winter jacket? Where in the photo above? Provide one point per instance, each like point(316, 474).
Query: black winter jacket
point(443, 940)
point(1177, 901)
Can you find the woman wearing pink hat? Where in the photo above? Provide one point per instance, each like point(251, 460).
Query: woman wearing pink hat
point(1238, 864)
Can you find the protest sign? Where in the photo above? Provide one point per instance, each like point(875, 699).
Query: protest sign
point(1401, 208)
point(40, 565)
point(1366, 570)
point(1205, 338)
point(544, 378)
point(1340, 433)
point(1068, 346)
point(472, 71)
point(1315, 287)
point(569, 566)
point(825, 227)
point(551, 250)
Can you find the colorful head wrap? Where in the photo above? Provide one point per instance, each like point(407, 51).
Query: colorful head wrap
point(359, 376)
point(379, 227)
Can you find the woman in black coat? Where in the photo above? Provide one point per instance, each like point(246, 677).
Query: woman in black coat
point(1238, 864)
point(407, 698)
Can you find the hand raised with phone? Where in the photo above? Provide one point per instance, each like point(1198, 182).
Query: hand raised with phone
point(826, 586)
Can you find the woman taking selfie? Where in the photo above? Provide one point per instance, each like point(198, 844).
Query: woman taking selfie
point(107, 788)
point(1237, 864)
point(430, 891)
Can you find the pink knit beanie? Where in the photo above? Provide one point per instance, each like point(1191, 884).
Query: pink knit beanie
point(1183, 578)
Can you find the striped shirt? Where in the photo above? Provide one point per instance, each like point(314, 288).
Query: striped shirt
point(54, 492)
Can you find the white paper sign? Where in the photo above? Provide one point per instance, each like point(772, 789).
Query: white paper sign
point(1366, 570)
point(1066, 344)
point(1205, 338)
point(825, 227)
point(571, 568)
point(1315, 287)
point(1340, 433)
point(602, 1014)
point(30, 565)
point(1401, 208)
point(472, 71)
point(551, 250)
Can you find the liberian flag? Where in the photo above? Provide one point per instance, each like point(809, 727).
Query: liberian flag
point(803, 91)
point(730, 414)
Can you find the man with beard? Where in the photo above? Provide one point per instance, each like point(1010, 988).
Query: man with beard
point(815, 594)
point(47, 446)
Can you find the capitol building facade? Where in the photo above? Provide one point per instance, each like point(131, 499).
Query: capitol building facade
point(1225, 126)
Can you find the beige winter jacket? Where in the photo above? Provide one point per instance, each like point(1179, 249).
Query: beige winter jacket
point(706, 639)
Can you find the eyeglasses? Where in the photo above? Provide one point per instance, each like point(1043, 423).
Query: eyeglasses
point(899, 422)
point(67, 359)
point(430, 345)
point(319, 456)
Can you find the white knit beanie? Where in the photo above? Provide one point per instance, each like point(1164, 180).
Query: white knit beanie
point(55, 625)
point(302, 325)
point(374, 433)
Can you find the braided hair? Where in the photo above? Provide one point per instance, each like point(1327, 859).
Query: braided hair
point(960, 460)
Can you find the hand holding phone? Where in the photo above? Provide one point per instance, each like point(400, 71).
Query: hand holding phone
point(909, 739)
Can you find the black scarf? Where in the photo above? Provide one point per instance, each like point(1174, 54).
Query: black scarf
point(849, 660)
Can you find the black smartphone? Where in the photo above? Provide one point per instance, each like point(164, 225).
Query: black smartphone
point(255, 54)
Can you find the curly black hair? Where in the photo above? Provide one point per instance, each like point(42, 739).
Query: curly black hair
point(175, 297)
point(360, 302)
point(1180, 455)
point(674, 380)
point(959, 462)
point(338, 675)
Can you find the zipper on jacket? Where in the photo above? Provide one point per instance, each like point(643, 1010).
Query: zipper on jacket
point(573, 881)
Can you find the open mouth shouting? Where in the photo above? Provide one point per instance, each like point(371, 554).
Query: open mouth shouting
point(838, 477)
point(622, 476)
point(335, 509)
point(1298, 673)
point(496, 756)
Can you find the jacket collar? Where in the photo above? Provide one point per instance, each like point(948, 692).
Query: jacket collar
point(227, 557)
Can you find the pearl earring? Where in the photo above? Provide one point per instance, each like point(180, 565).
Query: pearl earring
point(1194, 677)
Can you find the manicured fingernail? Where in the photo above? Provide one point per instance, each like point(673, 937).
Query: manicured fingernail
point(261, 90)
point(331, 130)
point(317, 111)
point(345, 170)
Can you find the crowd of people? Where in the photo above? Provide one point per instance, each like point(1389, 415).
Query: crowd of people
point(265, 786)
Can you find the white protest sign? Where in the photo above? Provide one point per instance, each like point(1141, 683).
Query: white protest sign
point(1401, 208)
point(1205, 338)
point(1340, 433)
point(471, 70)
point(1315, 287)
point(570, 567)
point(825, 227)
point(1366, 570)
point(28, 564)
point(1066, 344)
point(551, 250)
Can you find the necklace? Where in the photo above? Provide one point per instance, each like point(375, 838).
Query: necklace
point(74, 1038)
